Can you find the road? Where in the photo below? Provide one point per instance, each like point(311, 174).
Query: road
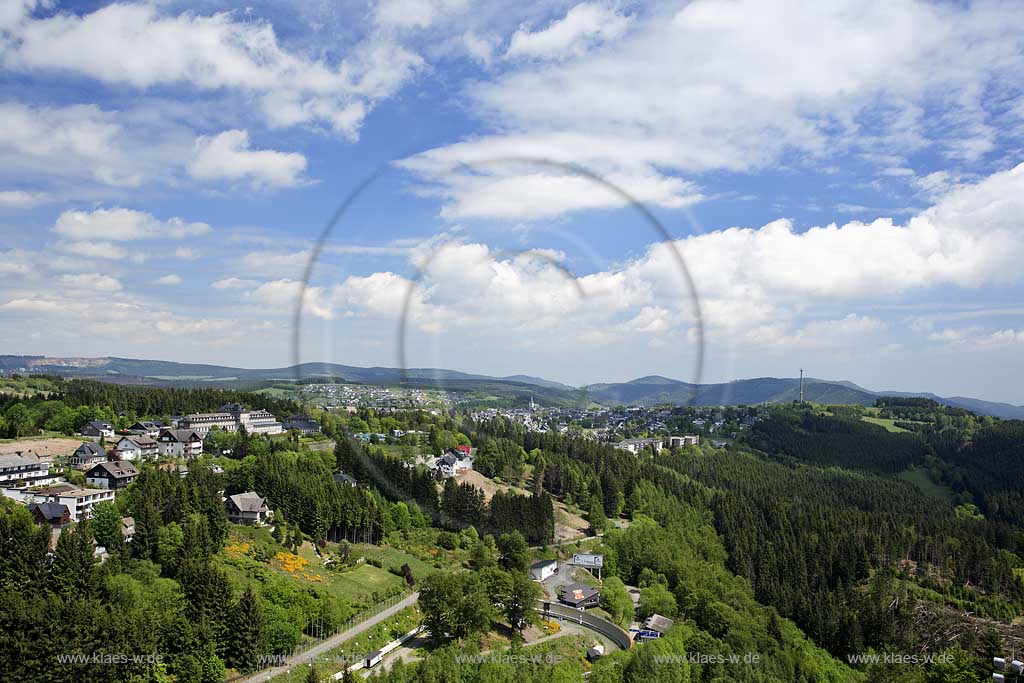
point(330, 643)
point(568, 542)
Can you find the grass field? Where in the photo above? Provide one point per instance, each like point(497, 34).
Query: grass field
point(890, 425)
point(361, 584)
point(392, 557)
point(919, 478)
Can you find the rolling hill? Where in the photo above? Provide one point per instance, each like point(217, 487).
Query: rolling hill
point(648, 390)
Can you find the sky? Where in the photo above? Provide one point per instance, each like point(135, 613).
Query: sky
point(586, 192)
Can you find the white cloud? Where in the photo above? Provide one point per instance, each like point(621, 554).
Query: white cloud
point(518, 176)
point(272, 262)
point(137, 45)
point(186, 253)
point(32, 305)
point(121, 225)
point(20, 199)
point(1006, 337)
point(92, 249)
point(937, 183)
point(168, 280)
point(737, 86)
point(281, 296)
point(585, 25)
point(13, 12)
point(480, 48)
point(91, 282)
point(80, 141)
point(234, 283)
point(761, 288)
point(414, 13)
point(227, 156)
point(16, 261)
point(978, 338)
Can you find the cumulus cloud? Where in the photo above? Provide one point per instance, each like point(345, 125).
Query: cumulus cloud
point(520, 177)
point(710, 85)
point(281, 296)
point(140, 46)
point(585, 25)
point(234, 283)
point(122, 225)
point(756, 286)
point(93, 249)
point(168, 280)
point(82, 141)
point(20, 199)
point(227, 156)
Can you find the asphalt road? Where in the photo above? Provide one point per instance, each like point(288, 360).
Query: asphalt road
point(330, 643)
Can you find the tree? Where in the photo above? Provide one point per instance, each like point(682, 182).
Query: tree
point(106, 525)
point(517, 595)
point(246, 629)
point(616, 601)
point(20, 421)
point(598, 522)
point(455, 605)
point(170, 540)
point(23, 547)
point(439, 597)
point(952, 665)
point(656, 599)
point(73, 561)
point(147, 525)
point(484, 553)
point(513, 553)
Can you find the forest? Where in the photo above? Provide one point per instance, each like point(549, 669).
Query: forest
point(66, 405)
point(799, 542)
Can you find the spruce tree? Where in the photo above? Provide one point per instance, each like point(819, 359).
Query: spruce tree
point(246, 630)
point(73, 561)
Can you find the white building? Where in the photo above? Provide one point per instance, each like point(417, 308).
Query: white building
point(78, 501)
point(180, 443)
point(685, 440)
point(635, 446)
point(543, 569)
point(139, 447)
point(230, 417)
point(23, 471)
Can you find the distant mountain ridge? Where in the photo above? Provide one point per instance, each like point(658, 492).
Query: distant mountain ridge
point(648, 390)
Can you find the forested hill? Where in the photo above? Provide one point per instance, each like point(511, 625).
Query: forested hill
point(648, 390)
point(65, 405)
point(828, 440)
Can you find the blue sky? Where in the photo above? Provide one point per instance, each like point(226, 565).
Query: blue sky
point(842, 180)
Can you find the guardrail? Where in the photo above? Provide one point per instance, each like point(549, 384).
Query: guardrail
point(616, 634)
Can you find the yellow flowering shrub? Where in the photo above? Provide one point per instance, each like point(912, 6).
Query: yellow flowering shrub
point(291, 563)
